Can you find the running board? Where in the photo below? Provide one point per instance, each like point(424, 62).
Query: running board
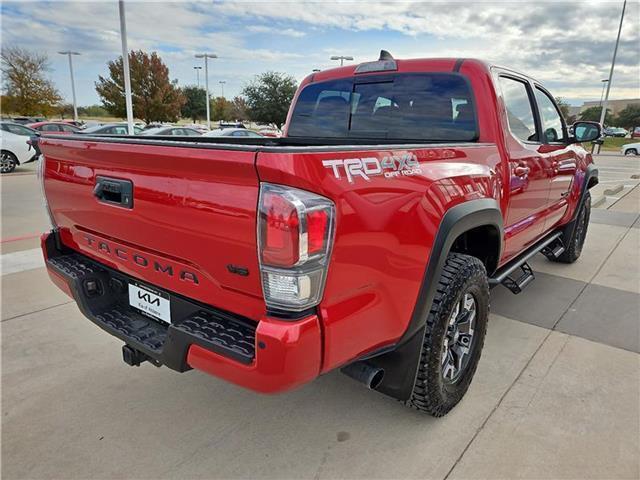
point(506, 275)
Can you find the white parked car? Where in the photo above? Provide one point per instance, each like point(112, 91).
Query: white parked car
point(631, 149)
point(232, 132)
point(15, 150)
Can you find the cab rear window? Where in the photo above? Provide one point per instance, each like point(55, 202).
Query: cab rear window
point(427, 107)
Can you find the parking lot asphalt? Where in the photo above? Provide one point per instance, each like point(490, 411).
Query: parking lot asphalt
point(556, 394)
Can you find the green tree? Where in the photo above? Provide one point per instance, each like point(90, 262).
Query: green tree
point(26, 89)
point(269, 96)
point(628, 117)
point(238, 109)
point(219, 109)
point(155, 98)
point(592, 114)
point(195, 105)
point(65, 110)
point(564, 107)
point(92, 111)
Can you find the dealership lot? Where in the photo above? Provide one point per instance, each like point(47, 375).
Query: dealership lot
point(557, 393)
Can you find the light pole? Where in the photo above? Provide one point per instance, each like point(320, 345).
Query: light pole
point(125, 67)
point(206, 57)
point(613, 64)
point(604, 84)
point(222, 82)
point(73, 86)
point(342, 58)
point(197, 69)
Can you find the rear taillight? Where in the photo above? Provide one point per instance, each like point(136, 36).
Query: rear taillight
point(295, 234)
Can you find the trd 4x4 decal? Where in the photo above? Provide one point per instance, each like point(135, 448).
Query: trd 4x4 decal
point(390, 166)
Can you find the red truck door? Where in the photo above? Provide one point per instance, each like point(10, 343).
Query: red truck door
point(529, 166)
point(560, 157)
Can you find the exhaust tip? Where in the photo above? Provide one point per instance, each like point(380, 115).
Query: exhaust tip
point(363, 372)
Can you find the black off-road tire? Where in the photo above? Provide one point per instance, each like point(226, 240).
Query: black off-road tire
point(431, 393)
point(9, 162)
point(573, 245)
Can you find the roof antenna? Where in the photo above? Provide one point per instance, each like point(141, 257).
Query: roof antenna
point(384, 55)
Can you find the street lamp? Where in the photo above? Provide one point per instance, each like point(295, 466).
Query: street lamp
point(197, 69)
point(125, 67)
point(315, 70)
point(222, 82)
point(206, 57)
point(342, 58)
point(73, 86)
point(604, 84)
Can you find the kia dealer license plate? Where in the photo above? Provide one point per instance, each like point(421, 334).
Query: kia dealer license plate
point(152, 302)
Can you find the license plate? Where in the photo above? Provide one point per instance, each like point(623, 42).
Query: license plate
point(152, 302)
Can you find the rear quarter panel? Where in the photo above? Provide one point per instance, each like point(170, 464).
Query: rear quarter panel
point(384, 231)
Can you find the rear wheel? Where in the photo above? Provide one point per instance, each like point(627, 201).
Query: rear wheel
point(631, 151)
point(454, 336)
point(573, 245)
point(8, 162)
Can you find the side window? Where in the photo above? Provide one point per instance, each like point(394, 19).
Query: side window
point(119, 130)
point(16, 129)
point(50, 127)
point(519, 110)
point(67, 128)
point(551, 121)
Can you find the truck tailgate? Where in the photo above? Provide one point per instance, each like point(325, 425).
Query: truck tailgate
point(191, 227)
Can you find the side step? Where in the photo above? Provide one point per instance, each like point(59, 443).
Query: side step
point(517, 273)
point(553, 250)
point(517, 284)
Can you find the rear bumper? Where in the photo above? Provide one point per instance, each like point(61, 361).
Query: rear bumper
point(269, 356)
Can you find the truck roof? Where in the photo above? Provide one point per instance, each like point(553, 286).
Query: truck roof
point(446, 64)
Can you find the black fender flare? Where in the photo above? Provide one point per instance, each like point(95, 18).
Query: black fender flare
point(400, 362)
point(590, 180)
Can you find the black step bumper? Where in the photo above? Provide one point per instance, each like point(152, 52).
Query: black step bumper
point(102, 295)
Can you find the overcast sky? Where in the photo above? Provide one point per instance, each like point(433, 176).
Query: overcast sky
point(567, 46)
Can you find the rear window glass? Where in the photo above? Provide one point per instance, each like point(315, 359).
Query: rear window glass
point(433, 107)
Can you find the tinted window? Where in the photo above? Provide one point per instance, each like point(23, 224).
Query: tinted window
point(94, 129)
point(119, 130)
point(550, 118)
point(401, 107)
point(49, 127)
point(68, 128)
point(519, 110)
point(17, 129)
point(239, 133)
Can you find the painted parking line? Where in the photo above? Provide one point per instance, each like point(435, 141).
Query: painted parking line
point(20, 261)
point(21, 237)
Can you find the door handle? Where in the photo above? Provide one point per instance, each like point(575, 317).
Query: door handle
point(114, 191)
point(521, 171)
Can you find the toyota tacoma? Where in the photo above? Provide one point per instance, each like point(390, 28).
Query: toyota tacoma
point(366, 239)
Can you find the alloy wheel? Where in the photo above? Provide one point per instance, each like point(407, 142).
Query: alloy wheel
point(6, 163)
point(458, 340)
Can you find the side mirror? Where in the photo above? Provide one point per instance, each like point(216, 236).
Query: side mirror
point(585, 132)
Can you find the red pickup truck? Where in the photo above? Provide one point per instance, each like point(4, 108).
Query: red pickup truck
point(367, 238)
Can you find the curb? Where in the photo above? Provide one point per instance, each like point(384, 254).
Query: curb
point(614, 190)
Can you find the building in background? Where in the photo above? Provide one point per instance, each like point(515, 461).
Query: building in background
point(614, 106)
